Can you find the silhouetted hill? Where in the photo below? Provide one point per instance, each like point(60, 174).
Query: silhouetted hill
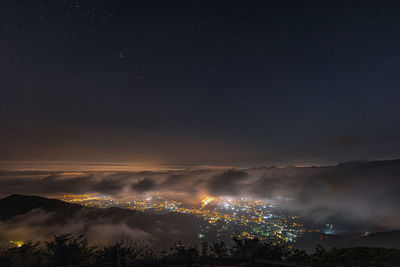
point(41, 217)
point(382, 239)
point(20, 204)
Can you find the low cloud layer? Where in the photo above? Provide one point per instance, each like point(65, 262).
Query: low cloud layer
point(100, 226)
point(367, 192)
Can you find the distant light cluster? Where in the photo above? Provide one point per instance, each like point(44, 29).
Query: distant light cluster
point(225, 217)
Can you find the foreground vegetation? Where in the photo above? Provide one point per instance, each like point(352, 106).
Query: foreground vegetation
point(72, 250)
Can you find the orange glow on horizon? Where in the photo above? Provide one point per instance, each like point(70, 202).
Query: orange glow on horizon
point(78, 168)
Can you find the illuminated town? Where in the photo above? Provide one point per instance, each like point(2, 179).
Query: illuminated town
point(224, 217)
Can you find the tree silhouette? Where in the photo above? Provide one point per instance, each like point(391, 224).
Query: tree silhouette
point(67, 249)
point(72, 250)
point(120, 252)
point(28, 254)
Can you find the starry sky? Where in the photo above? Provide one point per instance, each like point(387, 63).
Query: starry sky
point(239, 83)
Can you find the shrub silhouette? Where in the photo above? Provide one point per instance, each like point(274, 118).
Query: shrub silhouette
point(299, 256)
point(180, 250)
point(28, 254)
point(120, 252)
point(67, 249)
point(73, 250)
point(256, 249)
point(219, 249)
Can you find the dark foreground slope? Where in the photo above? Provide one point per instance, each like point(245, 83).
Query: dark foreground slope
point(384, 239)
point(389, 240)
point(70, 250)
point(31, 217)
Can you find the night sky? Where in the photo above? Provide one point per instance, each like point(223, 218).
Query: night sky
point(239, 83)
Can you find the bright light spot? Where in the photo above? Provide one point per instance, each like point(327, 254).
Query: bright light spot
point(17, 243)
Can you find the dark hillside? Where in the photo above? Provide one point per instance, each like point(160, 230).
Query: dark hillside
point(20, 204)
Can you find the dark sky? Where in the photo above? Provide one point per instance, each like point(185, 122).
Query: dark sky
point(199, 82)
